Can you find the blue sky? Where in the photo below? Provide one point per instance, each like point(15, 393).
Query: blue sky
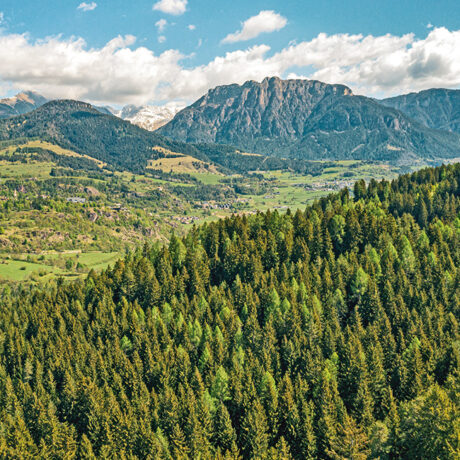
point(166, 43)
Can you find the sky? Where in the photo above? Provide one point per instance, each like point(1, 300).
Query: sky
point(172, 51)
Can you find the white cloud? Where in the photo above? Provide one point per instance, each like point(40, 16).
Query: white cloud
point(161, 25)
point(191, 27)
point(120, 73)
point(175, 7)
point(429, 25)
point(87, 6)
point(161, 39)
point(265, 21)
point(2, 18)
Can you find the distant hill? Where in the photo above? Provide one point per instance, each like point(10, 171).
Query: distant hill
point(21, 103)
point(307, 119)
point(82, 128)
point(27, 101)
point(435, 108)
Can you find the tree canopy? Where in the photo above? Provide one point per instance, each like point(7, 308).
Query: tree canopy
point(328, 333)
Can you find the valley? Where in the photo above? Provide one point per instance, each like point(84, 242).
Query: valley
point(79, 187)
point(61, 222)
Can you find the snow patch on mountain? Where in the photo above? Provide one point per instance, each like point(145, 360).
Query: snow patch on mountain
point(150, 117)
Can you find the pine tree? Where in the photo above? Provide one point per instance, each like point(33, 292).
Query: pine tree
point(86, 449)
point(350, 443)
point(255, 432)
point(428, 426)
point(223, 433)
point(179, 448)
point(219, 388)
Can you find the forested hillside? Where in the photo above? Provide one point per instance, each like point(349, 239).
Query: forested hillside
point(327, 333)
point(80, 127)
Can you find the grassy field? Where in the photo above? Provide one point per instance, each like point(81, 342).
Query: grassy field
point(19, 270)
point(48, 146)
point(22, 267)
point(179, 163)
point(207, 178)
point(121, 210)
point(33, 169)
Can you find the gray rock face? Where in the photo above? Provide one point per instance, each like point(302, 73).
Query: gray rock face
point(435, 108)
point(272, 108)
point(306, 119)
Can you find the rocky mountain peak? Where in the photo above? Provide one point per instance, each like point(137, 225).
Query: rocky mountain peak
point(149, 117)
point(306, 119)
point(23, 102)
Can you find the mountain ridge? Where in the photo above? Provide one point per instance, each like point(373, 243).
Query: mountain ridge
point(301, 118)
point(23, 102)
point(81, 127)
point(149, 117)
point(437, 108)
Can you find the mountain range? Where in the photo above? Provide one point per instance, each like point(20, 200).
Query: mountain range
point(314, 120)
point(149, 117)
point(296, 119)
point(82, 128)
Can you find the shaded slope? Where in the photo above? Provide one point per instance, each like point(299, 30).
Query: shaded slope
point(307, 119)
point(84, 129)
point(435, 108)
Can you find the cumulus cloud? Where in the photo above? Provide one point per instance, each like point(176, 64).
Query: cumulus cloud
point(265, 21)
point(122, 72)
point(191, 27)
point(161, 25)
point(161, 39)
point(87, 6)
point(175, 7)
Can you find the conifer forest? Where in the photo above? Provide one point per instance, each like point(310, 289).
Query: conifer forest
point(324, 333)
